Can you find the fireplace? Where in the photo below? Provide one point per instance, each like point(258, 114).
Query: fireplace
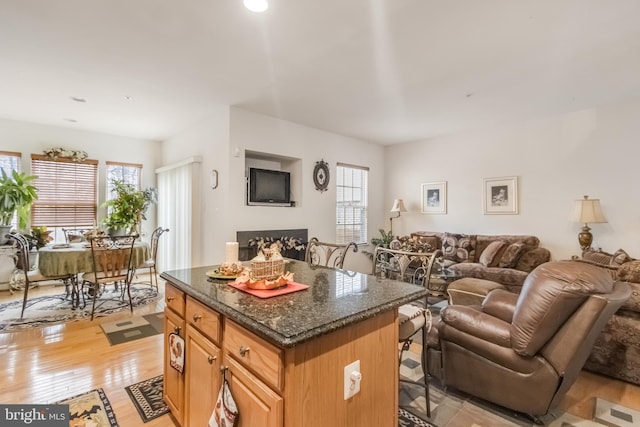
point(294, 242)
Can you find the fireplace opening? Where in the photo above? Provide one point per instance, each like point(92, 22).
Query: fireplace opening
point(294, 242)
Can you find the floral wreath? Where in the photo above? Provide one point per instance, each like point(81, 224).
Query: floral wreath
point(75, 155)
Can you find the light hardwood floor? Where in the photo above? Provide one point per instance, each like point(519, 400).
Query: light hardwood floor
point(43, 365)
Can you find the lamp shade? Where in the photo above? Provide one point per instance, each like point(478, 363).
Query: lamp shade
point(587, 211)
point(398, 206)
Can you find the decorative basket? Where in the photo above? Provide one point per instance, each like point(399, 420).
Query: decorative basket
point(266, 270)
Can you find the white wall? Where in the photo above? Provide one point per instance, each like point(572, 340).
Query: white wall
point(221, 140)
point(314, 210)
point(593, 152)
point(209, 139)
point(30, 138)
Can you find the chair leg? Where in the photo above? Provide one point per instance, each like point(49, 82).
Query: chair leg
point(96, 287)
point(128, 285)
point(24, 300)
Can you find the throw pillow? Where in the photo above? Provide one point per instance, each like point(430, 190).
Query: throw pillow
point(486, 257)
point(620, 257)
point(511, 255)
point(629, 272)
point(458, 247)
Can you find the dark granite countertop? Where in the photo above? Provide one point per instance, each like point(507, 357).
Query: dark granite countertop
point(334, 299)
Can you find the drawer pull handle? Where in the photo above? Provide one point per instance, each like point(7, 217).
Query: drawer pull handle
point(169, 299)
point(176, 329)
point(197, 317)
point(243, 351)
point(210, 359)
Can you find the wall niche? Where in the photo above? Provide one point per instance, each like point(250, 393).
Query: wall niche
point(255, 159)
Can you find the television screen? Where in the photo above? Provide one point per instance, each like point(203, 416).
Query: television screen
point(269, 187)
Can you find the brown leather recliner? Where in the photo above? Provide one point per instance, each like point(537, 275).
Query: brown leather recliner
point(525, 351)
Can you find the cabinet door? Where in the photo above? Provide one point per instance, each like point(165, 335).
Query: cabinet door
point(203, 378)
point(257, 404)
point(173, 381)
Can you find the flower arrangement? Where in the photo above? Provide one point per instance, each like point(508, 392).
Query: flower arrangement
point(284, 242)
point(414, 244)
point(75, 155)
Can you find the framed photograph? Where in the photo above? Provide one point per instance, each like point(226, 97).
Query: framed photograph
point(501, 196)
point(434, 197)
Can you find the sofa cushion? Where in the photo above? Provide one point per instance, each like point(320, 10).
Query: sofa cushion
point(458, 247)
point(550, 295)
point(533, 258)
point(483, 241)
point(487, 256)
point(629, 272)
point(511, 255)
point(620, 257)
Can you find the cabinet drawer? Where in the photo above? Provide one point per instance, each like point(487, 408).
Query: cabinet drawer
point(204, 319)
point(262, 358)
point(174, 299)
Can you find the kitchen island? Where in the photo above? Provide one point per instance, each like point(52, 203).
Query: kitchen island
point(285, 356)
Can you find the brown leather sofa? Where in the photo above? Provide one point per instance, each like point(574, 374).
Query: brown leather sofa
point(524, 351)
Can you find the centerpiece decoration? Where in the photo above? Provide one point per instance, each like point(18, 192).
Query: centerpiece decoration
point(267, 270)
point(231, 265)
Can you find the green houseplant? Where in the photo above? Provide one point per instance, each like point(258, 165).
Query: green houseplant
point(127, 210)
point(16, 197)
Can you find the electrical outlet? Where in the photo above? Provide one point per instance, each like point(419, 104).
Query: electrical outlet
point(352, 378)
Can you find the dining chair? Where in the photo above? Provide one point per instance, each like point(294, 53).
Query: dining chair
point(151, 262)
point(75, 235)
point(328, 254)
point(413, 318)
point(21, 245)
point(111, 258)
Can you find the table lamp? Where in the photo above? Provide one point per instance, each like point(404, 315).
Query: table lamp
point(587, 211)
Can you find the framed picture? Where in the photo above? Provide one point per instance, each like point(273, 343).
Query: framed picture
point(434, 197)
point(501, 196)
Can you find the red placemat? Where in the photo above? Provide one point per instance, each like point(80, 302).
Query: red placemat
point(268, 293)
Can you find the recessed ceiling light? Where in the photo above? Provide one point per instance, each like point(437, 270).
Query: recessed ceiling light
point(72, 120)
point(128, 98)
point(256, 5)
point(74, 98)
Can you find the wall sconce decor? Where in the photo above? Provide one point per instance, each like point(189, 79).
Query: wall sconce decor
point(213, 179)
point(586, 211)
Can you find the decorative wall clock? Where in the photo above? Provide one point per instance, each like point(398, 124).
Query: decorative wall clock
point(321, 175)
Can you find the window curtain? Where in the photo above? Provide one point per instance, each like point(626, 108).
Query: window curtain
point(176, 189)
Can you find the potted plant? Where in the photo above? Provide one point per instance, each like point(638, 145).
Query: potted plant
point(127, 210)
point(16, 197)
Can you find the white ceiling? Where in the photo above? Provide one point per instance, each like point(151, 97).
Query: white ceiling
point(387, 71)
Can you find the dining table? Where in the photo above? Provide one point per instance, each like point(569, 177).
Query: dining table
point(74, 258)
point(69, 260)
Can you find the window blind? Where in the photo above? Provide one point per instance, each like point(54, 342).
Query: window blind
point(67, 192)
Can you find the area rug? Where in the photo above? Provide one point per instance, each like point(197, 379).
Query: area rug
point(134, 328)
point(90, 409)
point(147, 398)
point(53, 309)
point(407, 419)
point(455, 408)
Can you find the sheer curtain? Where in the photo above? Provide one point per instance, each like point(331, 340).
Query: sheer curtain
point(176, 192)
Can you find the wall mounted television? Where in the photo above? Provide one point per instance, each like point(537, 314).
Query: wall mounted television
point(269, 188)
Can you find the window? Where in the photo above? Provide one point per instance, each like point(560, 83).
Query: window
point(9, 162)
point(128, 173)
point(351, 204)
point(67, 192)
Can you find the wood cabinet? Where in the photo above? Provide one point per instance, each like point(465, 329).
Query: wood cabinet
point(173, 381)
point(282, 387)
point(202, 378)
